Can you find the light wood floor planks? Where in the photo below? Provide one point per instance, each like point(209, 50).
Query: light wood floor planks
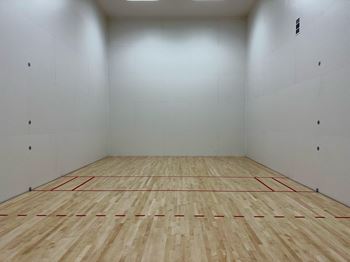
point(174, 209)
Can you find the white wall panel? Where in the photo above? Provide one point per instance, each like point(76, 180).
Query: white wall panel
point(288, 92)
point(64, 92)
point(177, 87)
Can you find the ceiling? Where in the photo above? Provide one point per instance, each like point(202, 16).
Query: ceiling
point(177, 8)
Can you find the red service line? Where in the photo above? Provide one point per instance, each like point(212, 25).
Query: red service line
point(256, 178)
point(53, 189)
point(216, 177)
point(91, 178)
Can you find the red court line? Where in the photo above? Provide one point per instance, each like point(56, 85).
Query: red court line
point(264, 184)
point(82, 184)
point(177, 190)
point(228, 177)
point(284, 184)
point(63, 183)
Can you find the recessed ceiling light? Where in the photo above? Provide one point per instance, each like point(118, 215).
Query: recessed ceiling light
point(142, 0)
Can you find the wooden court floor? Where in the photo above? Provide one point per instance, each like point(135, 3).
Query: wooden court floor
point(174, 209)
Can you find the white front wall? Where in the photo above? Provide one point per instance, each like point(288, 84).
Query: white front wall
point(288, 92)
point(177, 87)
point(64, 92)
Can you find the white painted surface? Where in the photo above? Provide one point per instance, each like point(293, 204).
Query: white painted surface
point(64, 93)
point(288, 92)
point(177, 8)
point(177, 87)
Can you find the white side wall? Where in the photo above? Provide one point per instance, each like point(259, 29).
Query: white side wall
point(64, 92)
point(177, 87)
point(288, 92)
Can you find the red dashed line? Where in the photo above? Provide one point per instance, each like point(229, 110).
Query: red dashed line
point(238, 216)
point(199, 216)
point(159, 215)
point(100, 215)
point(61, 215)
point(320, 217)
point(3, 215)
point(140, 215)
point(20, 215)
point(279, 216)
point(120, 215)
point(80, 215)
point(342, 217)
point(219, 216)
point(259, 216)
point(179, 215)
point(299, 216)
point(41, 215)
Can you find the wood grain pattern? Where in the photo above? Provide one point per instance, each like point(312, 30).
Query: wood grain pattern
point(60, 224)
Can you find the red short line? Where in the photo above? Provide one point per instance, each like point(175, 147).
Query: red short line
point(238, 216)
point(120, 215)
point(177, 190)
point(259, 216)
point(3, 215)
point(61, 215)
point(80, 215)
point(342, 217)
point(284, 184)
point(140, 215)
point(264, 184)
point(299, 216)
point(219, 216)
point(21, 215)
point(159, 215)
point(63, 183)
point(199, 216)
point(41, 215)
point(279, 216)
point(170, 190)
point(100, 215)
point(179, 215)
point(83, 183)
point(320, 217)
